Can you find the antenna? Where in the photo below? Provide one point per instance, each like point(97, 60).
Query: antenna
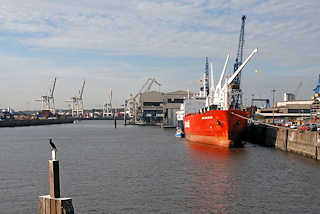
point(211, 80)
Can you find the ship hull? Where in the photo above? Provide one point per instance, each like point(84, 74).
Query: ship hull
point(216, 127)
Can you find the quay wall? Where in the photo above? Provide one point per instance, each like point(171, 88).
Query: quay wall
point(305, 143)
point(262, 135)
point(282, 139)
point(16, 123)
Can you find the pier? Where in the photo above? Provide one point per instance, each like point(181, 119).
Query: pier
point(305, 143)
point(16, 123)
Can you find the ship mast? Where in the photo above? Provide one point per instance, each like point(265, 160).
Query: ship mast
point(204, 90)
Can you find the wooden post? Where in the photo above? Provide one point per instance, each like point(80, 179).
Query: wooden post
point(49, 205)
point(286, 140)
point(53, 204)
point(54, 179)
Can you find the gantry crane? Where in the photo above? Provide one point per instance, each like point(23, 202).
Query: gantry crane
point(47, 101)
point(77, 102)
point(107, 107)
point(298, 89)
point(267, 102)
point(236, 93)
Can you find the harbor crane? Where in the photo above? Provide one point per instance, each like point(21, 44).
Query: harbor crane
point(236, 93)
point(47, 101)
point(145, 88)
point(267, 101)
point(298, 89)
point(316, 90)
point(77, 102)
point(107, 107)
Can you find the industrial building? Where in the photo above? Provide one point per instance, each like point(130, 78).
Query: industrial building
point(172, 103)
point(158, 108)
point(288, 109)
point(152, 107)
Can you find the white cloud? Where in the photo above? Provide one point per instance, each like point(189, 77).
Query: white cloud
point(285, 31)
point(163, 28)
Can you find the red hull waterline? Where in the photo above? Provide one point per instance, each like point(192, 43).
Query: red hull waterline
point(216, 127)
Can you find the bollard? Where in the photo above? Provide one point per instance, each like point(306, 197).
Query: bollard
point(53, 204)
point(115, 122)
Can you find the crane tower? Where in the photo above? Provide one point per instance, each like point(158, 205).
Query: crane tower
point(77, 102)
point(134, 106)
point(47, 101)
point(107, 107)
point(316, 90)
point(236, 93)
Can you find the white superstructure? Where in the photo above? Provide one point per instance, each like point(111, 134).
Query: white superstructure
point(220, 96)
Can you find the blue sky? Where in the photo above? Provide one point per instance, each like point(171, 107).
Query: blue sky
point(119, 44)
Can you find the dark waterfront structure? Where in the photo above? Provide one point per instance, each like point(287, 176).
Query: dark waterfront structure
point(17, 123)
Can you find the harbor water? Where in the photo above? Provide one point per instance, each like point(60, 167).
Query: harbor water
point(133, 169)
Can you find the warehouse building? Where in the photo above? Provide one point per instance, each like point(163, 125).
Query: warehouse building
point(160, 108)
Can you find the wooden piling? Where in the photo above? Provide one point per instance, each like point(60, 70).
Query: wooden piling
point(54, 179)
point(53, 204)
point(49, 205)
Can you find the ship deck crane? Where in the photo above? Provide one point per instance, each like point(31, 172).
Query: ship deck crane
point(221, 93)
point(236, 93)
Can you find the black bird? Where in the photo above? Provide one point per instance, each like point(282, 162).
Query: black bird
point(52, 144)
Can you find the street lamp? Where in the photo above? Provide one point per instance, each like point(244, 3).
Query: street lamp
point(273, 91)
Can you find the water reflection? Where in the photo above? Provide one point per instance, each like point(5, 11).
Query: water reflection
point(206, 151)
point(212, 186)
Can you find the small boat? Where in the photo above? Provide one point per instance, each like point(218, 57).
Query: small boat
point(179, 132)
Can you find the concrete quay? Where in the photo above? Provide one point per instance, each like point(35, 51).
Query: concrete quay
point(305, 143)
point(17, 123)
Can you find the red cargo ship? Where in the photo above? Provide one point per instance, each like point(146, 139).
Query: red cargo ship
point(216, 127)
point(218, 121)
